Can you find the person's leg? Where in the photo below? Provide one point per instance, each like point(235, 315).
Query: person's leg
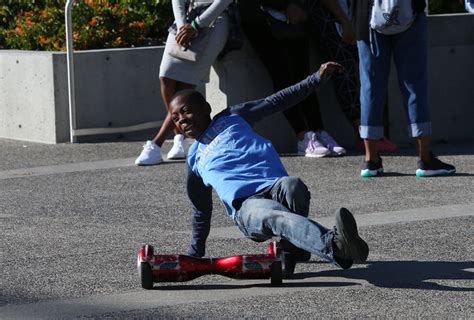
point(261, 219)
point(292, 193)
point(275, 54)
point(322, 22)
point(374, 68)
point(151, 153)
point(305, 117)
point(168, 89)
point(410, 55)
point(280, 63)
point(315, 138)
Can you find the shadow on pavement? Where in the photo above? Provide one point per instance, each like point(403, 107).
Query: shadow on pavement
point(405, 274)
point(385, 274)
point(236, 286)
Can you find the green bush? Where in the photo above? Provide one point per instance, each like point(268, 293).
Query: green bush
point(97, 24)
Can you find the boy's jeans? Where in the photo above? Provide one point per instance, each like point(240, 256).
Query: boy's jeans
point(282, 210)
point(409, 50)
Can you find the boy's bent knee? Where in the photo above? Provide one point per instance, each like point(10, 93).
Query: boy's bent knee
point(294, 186)
point(294, 195)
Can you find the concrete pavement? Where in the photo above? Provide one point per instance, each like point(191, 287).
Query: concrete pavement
point(73, 217)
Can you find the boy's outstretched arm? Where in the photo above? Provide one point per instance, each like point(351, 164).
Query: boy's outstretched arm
point(256, 110)
point(201, 199)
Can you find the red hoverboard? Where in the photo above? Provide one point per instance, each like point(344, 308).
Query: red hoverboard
point(179, 268)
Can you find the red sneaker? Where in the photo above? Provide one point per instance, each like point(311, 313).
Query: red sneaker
point(385, 145)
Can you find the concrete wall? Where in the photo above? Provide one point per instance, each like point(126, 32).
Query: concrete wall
point(119, 88)
point(27, 97)
point(114, 88)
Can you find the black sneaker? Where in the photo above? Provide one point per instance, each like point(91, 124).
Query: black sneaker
point(343, 263)
point(347, 243)
point(434, 167)
point(371, 168)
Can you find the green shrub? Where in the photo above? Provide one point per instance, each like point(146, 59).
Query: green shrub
point(97, 24)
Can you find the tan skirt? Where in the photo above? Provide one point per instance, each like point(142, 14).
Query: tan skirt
point(196, 72)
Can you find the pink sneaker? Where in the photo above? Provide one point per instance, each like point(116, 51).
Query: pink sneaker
point(311, 147)
point(330, 143)
point(385, 145)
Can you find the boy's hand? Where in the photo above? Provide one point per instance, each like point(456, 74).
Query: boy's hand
point(328, 68)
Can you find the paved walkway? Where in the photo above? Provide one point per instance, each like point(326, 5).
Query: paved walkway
point(73, 217)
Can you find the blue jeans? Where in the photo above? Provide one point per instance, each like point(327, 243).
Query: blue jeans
point(409, 49)
point(282, 210)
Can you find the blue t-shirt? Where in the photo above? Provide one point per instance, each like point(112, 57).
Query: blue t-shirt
point(234, 160)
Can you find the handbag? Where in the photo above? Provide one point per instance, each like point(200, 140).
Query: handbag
point(392, 16)
point(197, 45)
point(194, 51)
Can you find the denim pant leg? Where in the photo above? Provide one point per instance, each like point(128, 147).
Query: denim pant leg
point(374, 68)
point(410, 56)
point(260, 219)
point(292, 193)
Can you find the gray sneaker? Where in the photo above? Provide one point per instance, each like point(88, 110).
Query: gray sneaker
point(347, 243)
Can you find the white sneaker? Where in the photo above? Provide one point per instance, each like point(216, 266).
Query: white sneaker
point(311, 147)
point(178, 151)
point(151, 154)
point(330, 143)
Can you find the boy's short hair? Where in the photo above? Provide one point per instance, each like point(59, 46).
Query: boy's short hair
point(190, 95)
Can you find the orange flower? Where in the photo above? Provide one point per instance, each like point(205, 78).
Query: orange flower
point(118, 41)
point(90, 3)
point(137, 24)
point(44, 40)
point(93, 22)
point(28, 22)
point(19, 31)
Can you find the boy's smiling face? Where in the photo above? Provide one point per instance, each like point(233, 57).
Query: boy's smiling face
point(190, 112)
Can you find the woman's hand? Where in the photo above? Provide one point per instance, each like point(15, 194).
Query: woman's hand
point(185, 34)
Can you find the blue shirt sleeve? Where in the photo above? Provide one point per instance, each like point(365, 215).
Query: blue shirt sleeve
point(256, 110)
point(201, 199)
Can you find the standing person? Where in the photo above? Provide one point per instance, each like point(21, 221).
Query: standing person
point(249, 178)
point(330, 21)
point(469, 5)
point(178, 74)
point(276, 30)
point(400, 31)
